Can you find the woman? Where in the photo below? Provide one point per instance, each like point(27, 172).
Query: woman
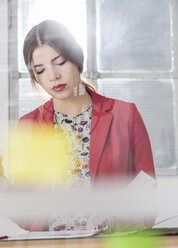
point(112, 138)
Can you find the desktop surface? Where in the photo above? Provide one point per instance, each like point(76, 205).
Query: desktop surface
point(158, 240)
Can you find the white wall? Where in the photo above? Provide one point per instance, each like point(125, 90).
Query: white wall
point(3, 73)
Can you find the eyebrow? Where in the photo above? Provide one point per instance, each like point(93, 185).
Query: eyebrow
point(35, 66)
point(56, 57)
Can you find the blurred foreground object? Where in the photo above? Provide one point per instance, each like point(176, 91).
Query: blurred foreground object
point(1, 168)
point(38, 157)
point(4, 184)
point(128, 207)
point(134, 241)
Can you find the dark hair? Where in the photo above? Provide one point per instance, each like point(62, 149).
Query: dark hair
point(57, 36)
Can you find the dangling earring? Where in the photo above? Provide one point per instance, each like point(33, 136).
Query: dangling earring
point(79, 90)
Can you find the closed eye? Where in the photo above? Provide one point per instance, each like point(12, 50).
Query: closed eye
point(59, 60)
point(62, 63)
point(40, 72)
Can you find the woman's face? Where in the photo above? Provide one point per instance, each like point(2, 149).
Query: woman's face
point(54, 73)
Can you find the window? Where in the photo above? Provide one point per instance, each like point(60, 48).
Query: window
point(135, 61)
point(131, 54)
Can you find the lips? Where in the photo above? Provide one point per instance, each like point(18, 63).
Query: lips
point(59, 87)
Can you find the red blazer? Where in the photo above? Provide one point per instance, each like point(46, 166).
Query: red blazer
point(119, 142)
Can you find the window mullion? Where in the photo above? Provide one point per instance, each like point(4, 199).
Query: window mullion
point(91, 73)
point(174, 5)
point(137, 75)
point(13, 61)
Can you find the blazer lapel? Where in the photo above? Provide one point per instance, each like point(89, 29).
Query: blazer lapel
point(100, 124)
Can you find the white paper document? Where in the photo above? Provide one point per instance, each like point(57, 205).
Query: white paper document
point(9, 228)
point(14, 232)
point(142, 182)
point(55, 235)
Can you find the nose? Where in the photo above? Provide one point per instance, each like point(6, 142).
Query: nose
point(53, 74)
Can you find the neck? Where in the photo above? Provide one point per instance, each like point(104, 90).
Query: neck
point(73, 106)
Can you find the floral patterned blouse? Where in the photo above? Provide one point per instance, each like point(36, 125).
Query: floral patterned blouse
point(77, 129)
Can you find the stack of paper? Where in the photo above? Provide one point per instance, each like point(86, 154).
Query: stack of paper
point(9, 228)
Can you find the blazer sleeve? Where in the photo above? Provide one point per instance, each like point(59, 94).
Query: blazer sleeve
point(142, 158)
point(26, 121)
point(141, 153)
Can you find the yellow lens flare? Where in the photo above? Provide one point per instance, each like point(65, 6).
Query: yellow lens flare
point(39, 157)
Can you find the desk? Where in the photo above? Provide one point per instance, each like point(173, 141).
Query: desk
point(94, 242)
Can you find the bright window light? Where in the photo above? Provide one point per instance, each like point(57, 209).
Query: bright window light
point(69, 12)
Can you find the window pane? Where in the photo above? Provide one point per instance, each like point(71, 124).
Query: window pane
point(155, 101)
point(133, 35)
point(71, 13)
point(29, 97)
